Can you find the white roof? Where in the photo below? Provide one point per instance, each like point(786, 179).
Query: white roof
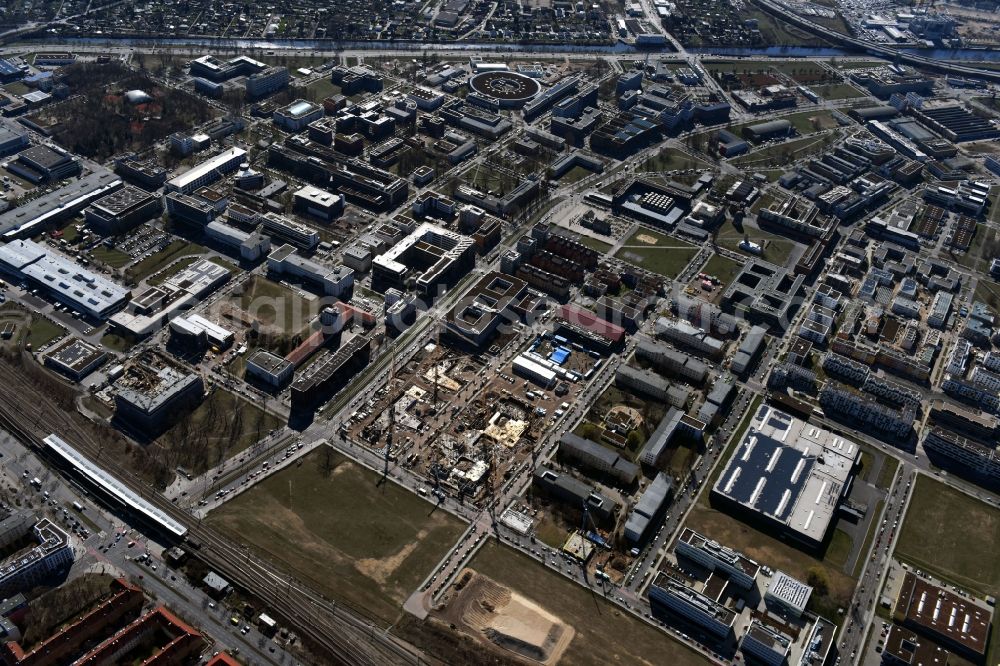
point(181, 182)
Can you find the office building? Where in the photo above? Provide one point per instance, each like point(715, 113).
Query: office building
point(250, 246)
point(764, 294)
point(765, 643)
point(429, 256)
point(208, 171)
point(51, 553)
point(842, 404)
point(60, 204)
point(269, 369)
point(905, 648)
point(684, 334)
point(315, 202)
point(325, 377)
point(336, 281)
point(954, 621)
point(575, 494)
point(734, 565)
point(749, 349)
point(649, 509)
point(265, 82)
point(979, 460)
point(151, 392)
point(596, 458)
point(666, 359)
point(788, 594)
point(121, 210)
point(12, 138)
point(789, 476)
point(75, 358)
point(86, 292)
point(296, 233)
point(297, 115)
point(44, 164)
point(669, 593)
point(491, 303)
point(212, 68)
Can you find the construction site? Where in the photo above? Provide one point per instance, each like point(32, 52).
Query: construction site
point(463, 421)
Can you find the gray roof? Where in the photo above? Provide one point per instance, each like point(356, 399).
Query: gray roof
point(571, 442)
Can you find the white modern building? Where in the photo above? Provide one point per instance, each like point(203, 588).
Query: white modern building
point(208, 171)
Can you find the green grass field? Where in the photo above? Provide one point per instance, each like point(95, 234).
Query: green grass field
point(42, 332)
point(273, 303)
point(671, 159)
point(948, 532)
point(989, 293)
point(781, 154)
point(171, 271)
point(955, 537)
point(721, 267)
point(837, 91)
point(161, 259)
point(889, 467)
point(326, 521)
point(840, 548)
point(776, 248)
point(657, 252)
point(111, 256)
point(869, 537)
point(594, 243)
point(116, 342)
point(604, 635)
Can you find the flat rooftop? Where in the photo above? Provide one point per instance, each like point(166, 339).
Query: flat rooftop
point(122, 200)
point(719, 552)
point(790, 471)
point(76, 354)
point(944, 614)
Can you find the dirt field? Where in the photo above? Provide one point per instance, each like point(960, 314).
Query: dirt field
point(603, 634)
point(492, 612)
point(375, 542)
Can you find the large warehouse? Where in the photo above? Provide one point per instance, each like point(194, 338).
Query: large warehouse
point(789, 475)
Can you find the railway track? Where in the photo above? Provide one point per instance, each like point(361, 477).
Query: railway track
point(345, 636)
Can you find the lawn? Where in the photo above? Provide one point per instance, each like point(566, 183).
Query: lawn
point(840, 548)
point(721, 267)
point(889, 466)
point(173, 270)
point(275, 304)
point(42, 332)
point(604, 634)
point(17, 88)
point(110, 256)
point(837, 91)
point(989, 293)
point(657, 252)
point(321, 88)
point(781, 154)
point(952, 534)
point(116, 342)
point(869, 537)
point(776, 248)
point(374, 543)
point(575, 175)
point(671, 159)
point(159, 260)
point(594, 244)
point(955, 537)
